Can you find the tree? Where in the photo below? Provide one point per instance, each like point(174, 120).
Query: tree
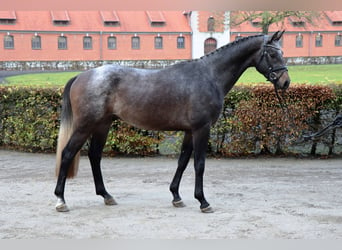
point(264, 19)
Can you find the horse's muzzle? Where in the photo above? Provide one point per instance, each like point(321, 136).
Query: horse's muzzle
point(283, 82)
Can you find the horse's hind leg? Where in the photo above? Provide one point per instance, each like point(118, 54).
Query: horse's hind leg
point(183, 161)
point(97, 143)
point(73, 146)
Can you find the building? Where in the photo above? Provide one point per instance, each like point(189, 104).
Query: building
point(210, 30)
point(62, 39)
point(94, 35)
point(323, 39)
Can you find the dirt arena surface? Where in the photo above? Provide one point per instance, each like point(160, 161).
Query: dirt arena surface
point(261, 198)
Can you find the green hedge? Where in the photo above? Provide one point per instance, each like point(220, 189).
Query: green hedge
point(29, 118)
point(252, 122)
point(29, 121)
point(258, 124)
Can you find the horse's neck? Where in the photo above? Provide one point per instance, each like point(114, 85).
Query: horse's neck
point(230, 63)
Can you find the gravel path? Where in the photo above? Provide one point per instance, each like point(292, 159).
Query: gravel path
point(261, 198)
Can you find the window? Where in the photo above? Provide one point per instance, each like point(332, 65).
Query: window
point(158, 42)
point(256, 22)
point(111, 42)
point(87, 42)
point(180, 42)
point(61, 23)
point(7, 21)
point(36, 42)
point(135, 42)
point(209, 45)
point(111, 23)
point(299, 41)
point(338, 40)
point(337, 23)
point(319, 40)
point(298, 24)
point(8, 42)
point(62, 42)
point(211, 24)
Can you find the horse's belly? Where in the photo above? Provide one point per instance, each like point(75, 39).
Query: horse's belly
point(155, 121)
point(152, 113)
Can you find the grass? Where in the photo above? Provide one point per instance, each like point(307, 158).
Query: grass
point(312, 74)
point(40, 79)
point(307, 74)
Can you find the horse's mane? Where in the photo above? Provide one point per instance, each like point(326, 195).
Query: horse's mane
point(224, 47)
point(231, 44)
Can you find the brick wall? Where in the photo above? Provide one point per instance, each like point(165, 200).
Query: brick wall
point(309, 48)
point(75, 52)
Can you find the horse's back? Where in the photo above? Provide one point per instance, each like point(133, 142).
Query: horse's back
point(166, 99)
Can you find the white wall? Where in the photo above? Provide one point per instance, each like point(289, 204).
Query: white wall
point(198, 38)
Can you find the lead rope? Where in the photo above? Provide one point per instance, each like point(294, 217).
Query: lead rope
point(285, 111)
point(285, 108)
point(269, 78)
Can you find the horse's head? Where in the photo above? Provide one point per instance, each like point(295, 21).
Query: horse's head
point(271, 63)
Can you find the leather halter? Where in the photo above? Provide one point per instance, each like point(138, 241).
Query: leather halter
point(271, 74)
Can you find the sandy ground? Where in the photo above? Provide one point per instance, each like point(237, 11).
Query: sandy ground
point(263, 198)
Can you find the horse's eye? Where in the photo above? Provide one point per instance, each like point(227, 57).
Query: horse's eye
point(273, 55)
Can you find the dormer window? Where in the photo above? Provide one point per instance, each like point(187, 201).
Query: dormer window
point(110, 18)
point(156, 18)
point(297, 21)
point(60, 18)
point(256, 22)
point(298, 24)
point(7, 17)
point(335, 17)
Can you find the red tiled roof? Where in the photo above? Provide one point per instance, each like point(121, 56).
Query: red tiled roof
point(130, 21)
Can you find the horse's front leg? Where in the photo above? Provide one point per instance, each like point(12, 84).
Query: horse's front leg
point(183, 161)
point(200, 141)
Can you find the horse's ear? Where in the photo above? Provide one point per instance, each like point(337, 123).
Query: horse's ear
point(277, 36)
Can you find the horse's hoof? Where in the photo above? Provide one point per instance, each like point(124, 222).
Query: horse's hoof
point(110, 201)
point(179, 203)
point(62, 207)
point(207, 210)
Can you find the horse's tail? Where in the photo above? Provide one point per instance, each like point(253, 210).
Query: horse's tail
point(65, 131)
